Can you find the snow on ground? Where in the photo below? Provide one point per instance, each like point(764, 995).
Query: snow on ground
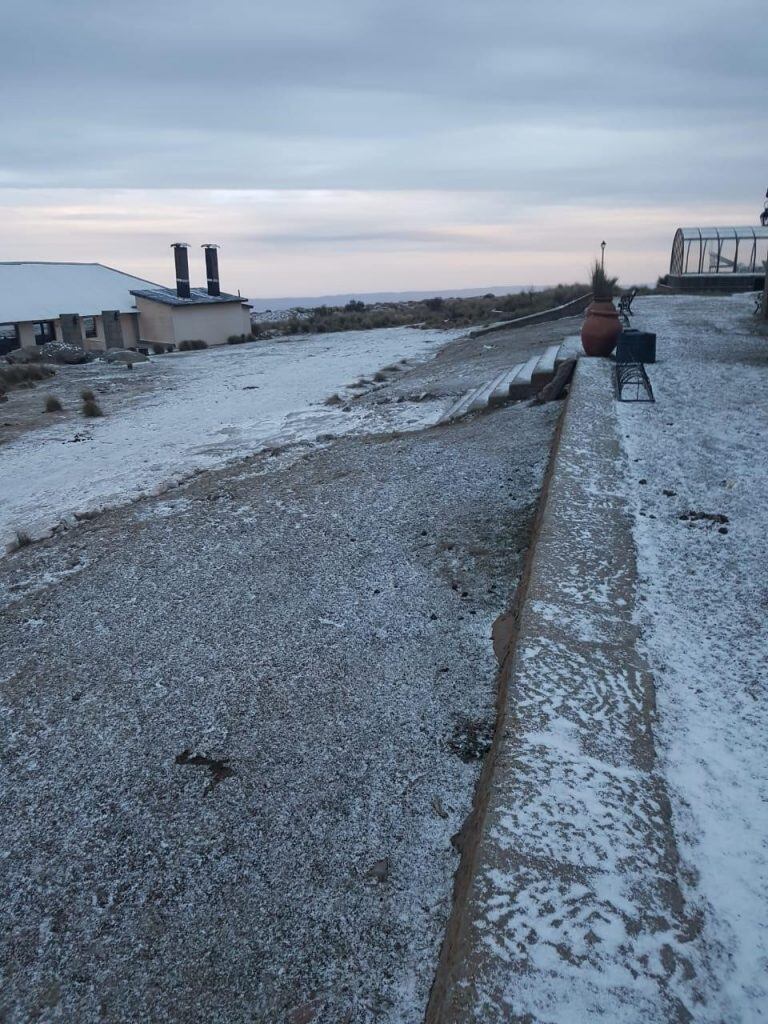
point(318, 623)
point(704, 587)
point(211, 407)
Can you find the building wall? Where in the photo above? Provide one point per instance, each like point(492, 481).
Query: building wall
point(27, 334)
point(211, 323)
point(97, 344)
point(128, 322)
point(170, 325)
point(155, 322)
point(130, 325)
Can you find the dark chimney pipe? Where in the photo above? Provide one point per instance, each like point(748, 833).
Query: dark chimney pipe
point(182, 269)
point(212, 268)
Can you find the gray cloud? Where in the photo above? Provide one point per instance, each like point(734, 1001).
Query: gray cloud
point(560, 102)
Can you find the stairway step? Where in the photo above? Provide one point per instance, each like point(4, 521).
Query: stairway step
point(521, 381)
point(501, 392)
point(545, 368)
point(482, 396)
point(522, 384)
point(467, 403)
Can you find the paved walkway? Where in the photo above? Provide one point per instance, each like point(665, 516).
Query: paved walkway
point(695, 460)
point(620, 871)
point(575, 911)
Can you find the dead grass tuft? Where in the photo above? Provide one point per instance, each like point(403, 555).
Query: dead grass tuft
point(23, 375)
point(52, 404)
point(92, 410)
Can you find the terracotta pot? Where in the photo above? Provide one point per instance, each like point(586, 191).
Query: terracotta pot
point(601, 329)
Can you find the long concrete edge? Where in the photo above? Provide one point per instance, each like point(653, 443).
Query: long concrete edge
point(505, 633)
point(570, 885)
point(571, 308)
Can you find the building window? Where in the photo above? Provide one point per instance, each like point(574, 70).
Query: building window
point(45, 331)
point(89, 326)
point(9, 338)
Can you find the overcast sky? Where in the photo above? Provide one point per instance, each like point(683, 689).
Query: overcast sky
point(370, 145)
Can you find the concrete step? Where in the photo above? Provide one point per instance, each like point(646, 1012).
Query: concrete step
point(462, 405)
point(521, 381)
point(522, 385)
point(482, 396)
point(545, 368)
point(500, 393)
point(570, 349)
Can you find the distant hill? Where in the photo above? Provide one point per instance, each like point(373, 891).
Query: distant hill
point(313, 301)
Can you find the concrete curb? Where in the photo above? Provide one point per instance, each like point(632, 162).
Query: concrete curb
point(572, 308)
point(568, 885)
point(505, 631)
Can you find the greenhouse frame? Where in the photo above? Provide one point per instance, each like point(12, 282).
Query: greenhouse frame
point(733, 251)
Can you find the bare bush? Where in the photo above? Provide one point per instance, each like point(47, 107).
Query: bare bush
point(92, 410)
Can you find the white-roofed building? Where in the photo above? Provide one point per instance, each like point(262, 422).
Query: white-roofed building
point(97, 307)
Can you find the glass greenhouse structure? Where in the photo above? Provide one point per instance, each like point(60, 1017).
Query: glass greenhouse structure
point(707, 251)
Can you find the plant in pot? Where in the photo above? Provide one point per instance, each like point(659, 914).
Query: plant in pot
point(602, 327)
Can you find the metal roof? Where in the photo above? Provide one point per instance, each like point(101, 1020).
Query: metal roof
point(198, 297)
point(42, 291)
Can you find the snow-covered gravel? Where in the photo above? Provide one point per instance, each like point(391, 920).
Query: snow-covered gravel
point(317, 623)
point(199, 410)
point(704, 595)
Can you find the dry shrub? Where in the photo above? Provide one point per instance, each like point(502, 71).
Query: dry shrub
point(92, 410)
point(52, 404)
point(20, 375)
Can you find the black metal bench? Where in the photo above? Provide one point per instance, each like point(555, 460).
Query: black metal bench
point(625, 305)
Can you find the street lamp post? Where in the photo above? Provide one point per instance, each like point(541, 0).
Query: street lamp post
point(602, 255)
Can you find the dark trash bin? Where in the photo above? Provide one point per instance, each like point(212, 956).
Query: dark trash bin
point(636, 346)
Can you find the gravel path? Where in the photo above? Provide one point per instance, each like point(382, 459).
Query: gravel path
point(242, 722)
